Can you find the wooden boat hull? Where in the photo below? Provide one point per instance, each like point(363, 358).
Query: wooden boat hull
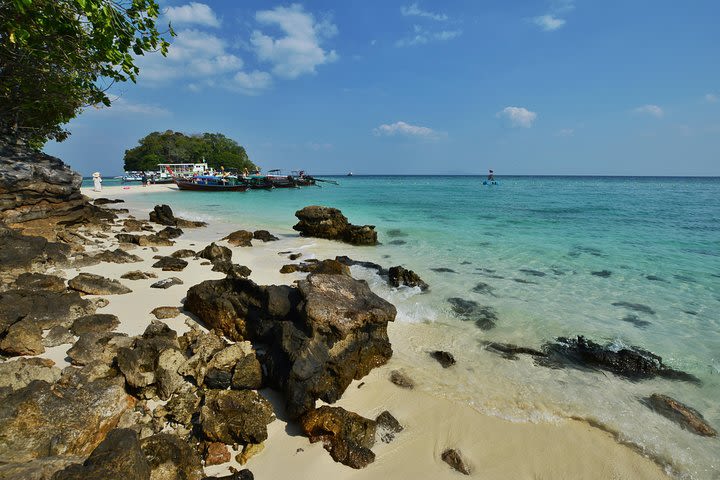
point(203, 187)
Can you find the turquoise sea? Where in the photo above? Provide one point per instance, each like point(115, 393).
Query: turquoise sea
point(550, 255)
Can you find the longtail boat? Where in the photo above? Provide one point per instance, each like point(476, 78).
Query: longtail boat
point(208, 183)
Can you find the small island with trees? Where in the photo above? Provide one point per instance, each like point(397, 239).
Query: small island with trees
point(215, 149)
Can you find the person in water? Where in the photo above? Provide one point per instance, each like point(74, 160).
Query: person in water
point(491, 176)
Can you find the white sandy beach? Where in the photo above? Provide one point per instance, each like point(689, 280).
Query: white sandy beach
point(493, 448)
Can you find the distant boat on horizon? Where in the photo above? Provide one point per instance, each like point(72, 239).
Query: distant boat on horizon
point(350, 174)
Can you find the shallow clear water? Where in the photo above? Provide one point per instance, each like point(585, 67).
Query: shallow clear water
point(535, 242)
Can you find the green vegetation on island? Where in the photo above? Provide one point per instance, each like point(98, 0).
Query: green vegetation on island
point(215, 149)
point(58, 56)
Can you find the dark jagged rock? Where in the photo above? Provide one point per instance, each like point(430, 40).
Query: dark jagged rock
point(42, 308)
point(401, 380)
point(446, 359)
point(22, 338)
point(320, 336)
point(510, 351)
point(20, 373)
point(687, 417)
point(637, 307)
point(484, 317)
point(217, 254)
point(235, 416)
point(264, 236)
point(95, 323)
point(400, 276)
point(116, 256)
point(169, 233)
point(171, 264)
point(240, 238)
point(24, 253)
point(290, 268)
point(97, 347)
point(106, 201)
point(330, 223)
point(163, 215)
point(138, 275)
point(167, 283)
point(453, 458)
point(119, 456)
point(346, 435)
point(152, 240)
point(369, 265)
point(40, 281)
point(630, 362)
point(294, 256)
point(165, 312)
point(602, 273)
point(171, 458)
point(328, 266)
point(387, 426)
point(97, 285)
point(61, 419)
point(57, 335)
point(154, 358)
point(183, 253)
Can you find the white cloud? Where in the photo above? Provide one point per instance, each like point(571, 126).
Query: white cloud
point(192, 54)
point(565, 132)
point(652, 110)
point(122, 106)
point(193, 13)
point(421, 36)
point(518, 116)
point(414, 10)
point(252, 83)
point(711, 98)
point(551, 21)
point(405, 129)
point(299, 51)
point(548, 22)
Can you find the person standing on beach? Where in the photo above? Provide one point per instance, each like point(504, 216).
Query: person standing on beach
point(144, 179)
point(97, 182)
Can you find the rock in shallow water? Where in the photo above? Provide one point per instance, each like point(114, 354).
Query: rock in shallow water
point(446, 359)
point(400, 276)
point(330, 223)
point(630, 362)
point(687, 417)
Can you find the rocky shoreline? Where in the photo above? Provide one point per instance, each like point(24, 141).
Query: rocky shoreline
point(181, 401)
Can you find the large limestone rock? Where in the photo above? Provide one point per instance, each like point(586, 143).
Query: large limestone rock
point(235, 416)
point(346, 435)
point(119, 456)
point(97, 285)
point(40, 281)
point(330, 223)
point(20, 373)
point(61, 419)
point(23, 253)
point(171, 458)
point(39, 193)
point(318, 337)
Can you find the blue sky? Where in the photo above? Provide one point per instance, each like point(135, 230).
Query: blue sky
point(419, 87)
